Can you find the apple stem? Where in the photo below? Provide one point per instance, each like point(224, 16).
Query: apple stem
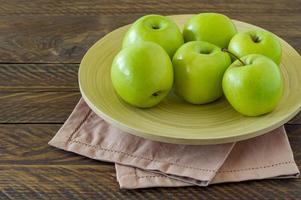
point(232, 54)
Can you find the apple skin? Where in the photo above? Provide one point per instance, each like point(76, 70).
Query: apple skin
point(256, 42)
point(198, 68)
point(214, 28)
point(155, 28)
point(142, 74)
point(255, 88)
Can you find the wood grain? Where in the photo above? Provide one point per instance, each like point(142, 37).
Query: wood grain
point(27, 144)
point(99, 182)
point(117, 7)
point(37, 107)
point(296, 119)
point(61, 32)
point(29, 168)
point(38, 77)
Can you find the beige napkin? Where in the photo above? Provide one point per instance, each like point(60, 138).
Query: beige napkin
point(142, 163)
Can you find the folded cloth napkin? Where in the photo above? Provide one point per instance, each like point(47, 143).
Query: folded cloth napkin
point(141, 163)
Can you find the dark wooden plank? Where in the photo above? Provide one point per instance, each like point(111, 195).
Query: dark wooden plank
point(296, 119)
point(56, 182)
point(36, 107)
point(62, 32)
point(117, 7)
point(30, 169)
point(65, 39)
point(27, 144)
point(54, 39)
point(98, 181)
point(38, 77)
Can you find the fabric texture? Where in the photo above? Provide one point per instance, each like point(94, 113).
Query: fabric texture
point(141, 163)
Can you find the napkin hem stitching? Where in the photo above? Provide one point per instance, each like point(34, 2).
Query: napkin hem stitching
point(229, 171)
point(97, 148)
point(260, 167)
point(80, 125)
point(139, 177)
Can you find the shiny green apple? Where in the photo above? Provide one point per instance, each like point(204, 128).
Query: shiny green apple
point(256, 42)
point(142, 74)
point(198, 68)
point(255, 87)
point(155, 28)
point(214, 28)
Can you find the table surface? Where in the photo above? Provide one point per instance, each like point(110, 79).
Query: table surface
point(41, 45)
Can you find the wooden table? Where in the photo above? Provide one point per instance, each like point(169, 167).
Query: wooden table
point(41, 45)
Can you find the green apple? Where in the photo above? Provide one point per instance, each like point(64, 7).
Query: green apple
point(215, 28)
point(155, 28)
point(142, 74)
point(255, 87)
point(199, 67)
point(256, 42)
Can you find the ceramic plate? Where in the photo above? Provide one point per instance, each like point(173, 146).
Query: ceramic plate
point(173, 120)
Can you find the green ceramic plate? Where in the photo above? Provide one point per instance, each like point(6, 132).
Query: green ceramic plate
point(173, 120)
